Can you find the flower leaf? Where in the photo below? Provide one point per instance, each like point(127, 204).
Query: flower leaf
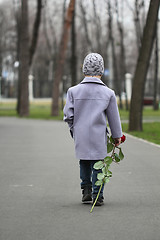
point(121, 155)
point(98, 165)
point(109, 147)
point(108, 160)
point(105, 170)
point(98, 183)
point(109, 173)
point(106, 180)
point(111, 139)
point(117, 158)
point(100, 176)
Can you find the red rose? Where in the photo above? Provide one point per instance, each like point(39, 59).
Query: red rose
point(123, 138)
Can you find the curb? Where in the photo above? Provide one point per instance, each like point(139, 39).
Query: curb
point(142, 140)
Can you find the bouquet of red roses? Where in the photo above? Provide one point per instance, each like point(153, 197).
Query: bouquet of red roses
point(106, 174)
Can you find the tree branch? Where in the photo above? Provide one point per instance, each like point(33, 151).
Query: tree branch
point(35, 31)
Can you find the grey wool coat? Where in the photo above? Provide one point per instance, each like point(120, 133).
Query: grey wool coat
point(87, 106)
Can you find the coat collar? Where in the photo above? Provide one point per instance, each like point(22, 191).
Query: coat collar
point(92, 80)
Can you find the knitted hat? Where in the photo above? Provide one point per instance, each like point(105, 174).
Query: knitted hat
point(93, 65)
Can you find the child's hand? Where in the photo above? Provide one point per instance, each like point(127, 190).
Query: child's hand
point(117, 141)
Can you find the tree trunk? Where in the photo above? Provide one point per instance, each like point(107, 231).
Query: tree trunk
point(98, 28)
point(135, 120)
point(122, 53)
point(155, 103)
point(115, 69)
point(61, 59)
point(89, 42)
point(73, 52)
point(24, 61)
point(64, 11)
point(25, 58)
point(123, 65)
point(137, 24)
point(1, 49)
point(35, 31)
point(45, 32)
point(17, 14)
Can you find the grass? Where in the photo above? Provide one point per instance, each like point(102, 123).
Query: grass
point(42, 110)
point(151, 132)
point(124, 114)
point(38, 110)
point(148, 113)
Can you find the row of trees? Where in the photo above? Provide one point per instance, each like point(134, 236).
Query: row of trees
point(139, 80)
point(64, 32)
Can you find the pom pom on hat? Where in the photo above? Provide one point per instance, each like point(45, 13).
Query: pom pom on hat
point(93, 65)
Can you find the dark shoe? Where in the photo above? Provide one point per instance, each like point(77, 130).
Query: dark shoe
point(99, 201)
point(87, 194)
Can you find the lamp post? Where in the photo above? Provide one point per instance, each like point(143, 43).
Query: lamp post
point(158, 29)
point(16, 66)
point(0, 86)
point(128, 81)
point(30, 86)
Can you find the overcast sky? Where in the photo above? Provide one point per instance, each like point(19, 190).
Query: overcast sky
point(131, 2)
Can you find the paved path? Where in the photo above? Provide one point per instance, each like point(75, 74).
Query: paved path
point(40, 198)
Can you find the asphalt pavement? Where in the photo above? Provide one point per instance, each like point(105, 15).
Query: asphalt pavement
point(40, 195)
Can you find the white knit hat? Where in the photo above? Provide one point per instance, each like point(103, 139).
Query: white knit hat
point(93, 65)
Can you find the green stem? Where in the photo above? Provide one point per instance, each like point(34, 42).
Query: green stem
point(96, 198)
point(113, 151)
point(112, 156)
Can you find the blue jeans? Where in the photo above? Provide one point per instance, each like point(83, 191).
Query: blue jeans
point(88, 175)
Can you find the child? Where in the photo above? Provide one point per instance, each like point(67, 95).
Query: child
point(87, 106)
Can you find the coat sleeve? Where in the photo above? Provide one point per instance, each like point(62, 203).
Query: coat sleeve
point(69, 111)
point(114, 118)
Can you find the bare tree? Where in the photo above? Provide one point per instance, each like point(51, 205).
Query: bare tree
point(23, 109)
point(25, 58)
point(156, 62)
point(112, 42)
point(73, 51)
point(64, 11)
point(137, 24)
point(135, 120)
point(61, 59)
point(84, 19)
point(45, 31)
point(35, 31)
point(98, 27)
point(122, 49)
point(50, 32)
point(1, 41)
point(139, 19)
point(17, 13)
point(91, 32)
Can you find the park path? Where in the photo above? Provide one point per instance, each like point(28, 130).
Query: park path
point(40, 197)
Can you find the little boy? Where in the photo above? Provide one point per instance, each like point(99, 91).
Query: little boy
point(87, 106)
